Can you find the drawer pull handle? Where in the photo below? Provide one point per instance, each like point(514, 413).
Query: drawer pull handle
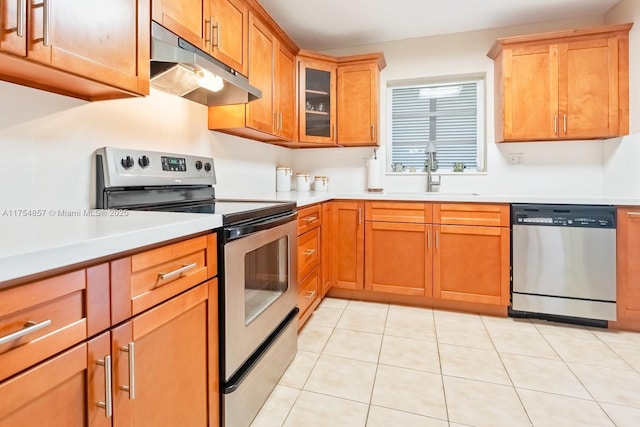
point(310, 295)
point(107, 405)
point(186, 267)
point(309, 252)
point(633, 213)
point(29, 327)
point(131, 388)
point(311, 219)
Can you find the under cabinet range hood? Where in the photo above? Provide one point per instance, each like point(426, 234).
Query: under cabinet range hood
point(180, 68)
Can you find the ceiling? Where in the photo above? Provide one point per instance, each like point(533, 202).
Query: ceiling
point(334, 24)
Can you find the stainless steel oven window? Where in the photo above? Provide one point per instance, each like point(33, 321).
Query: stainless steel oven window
point(266, 276)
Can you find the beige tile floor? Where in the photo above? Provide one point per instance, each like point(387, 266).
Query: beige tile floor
point(367, 364)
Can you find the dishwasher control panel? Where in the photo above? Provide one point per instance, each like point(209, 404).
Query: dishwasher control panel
point(564, 215)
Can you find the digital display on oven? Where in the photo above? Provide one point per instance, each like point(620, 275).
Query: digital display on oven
point(175, 164)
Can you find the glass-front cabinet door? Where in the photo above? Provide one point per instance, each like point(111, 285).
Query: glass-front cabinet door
point(317, 100)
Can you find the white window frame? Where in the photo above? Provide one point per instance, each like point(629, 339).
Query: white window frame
point(481, 140)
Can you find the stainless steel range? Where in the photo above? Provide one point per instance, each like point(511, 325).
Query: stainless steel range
point(257, 265)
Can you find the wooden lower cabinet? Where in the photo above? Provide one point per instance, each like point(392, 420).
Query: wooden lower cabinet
point(309, 259)
point(449, 255)
point(50, 394)
point(398, 258)
point(347, 245)
point(160, 364)
point(471, 263)
point(325, 248)
point(158, 367)
point(628, 268)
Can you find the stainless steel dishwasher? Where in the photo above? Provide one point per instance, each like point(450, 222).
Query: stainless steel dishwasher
point(564, 262)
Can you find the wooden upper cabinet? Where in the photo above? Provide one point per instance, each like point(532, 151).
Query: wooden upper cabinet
point(13, 27)
point(89, 50)
point(226, 29)
point(285, 107)
point(358, 82)
point(261, 66)
point(562, 85)
point(184, 17)
point(271, 68)
point(317, 98)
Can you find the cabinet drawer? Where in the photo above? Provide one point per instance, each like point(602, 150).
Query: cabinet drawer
point(144, 280)
point(308, 218)
point(40, 319)
point(308, 290)
point(492, 215)
point(398, 212)
point(308, 252)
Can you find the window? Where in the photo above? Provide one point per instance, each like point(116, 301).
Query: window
point(451, 114)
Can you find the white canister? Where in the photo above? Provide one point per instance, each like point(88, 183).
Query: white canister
point(303, 182)
point(283, 178)
point(321, 183)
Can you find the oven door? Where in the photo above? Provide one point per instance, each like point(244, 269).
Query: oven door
point(259, 289)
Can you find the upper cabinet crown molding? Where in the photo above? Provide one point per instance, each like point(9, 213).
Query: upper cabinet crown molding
point(563, 85)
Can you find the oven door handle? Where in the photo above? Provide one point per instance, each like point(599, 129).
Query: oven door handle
point(236, 232)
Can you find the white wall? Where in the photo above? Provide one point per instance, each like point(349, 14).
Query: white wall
point(621, 174)
point(572, 167)
point(47, 143)
point(47, 140)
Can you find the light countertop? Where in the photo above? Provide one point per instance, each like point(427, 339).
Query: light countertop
point(34, 241)
point(305, 198)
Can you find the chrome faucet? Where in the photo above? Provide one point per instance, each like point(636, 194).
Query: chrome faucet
point(431, 152)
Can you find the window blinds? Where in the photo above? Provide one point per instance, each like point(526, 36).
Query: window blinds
point(444, 113)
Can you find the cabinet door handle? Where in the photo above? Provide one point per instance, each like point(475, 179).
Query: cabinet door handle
point(131, 388)
point(216, 40)
point(280, 120)
point(555, 124)
point(333, 131)
point(373, 135)
point(310, 294)
point(107, 405)
point(309, 252)
point(359, 216)
point(428, 239)
point(46, 39)
point(207, 26)
point(564, 120)
point(28, 328)
point(164, 276)
point(437, 239)
point(21, 17)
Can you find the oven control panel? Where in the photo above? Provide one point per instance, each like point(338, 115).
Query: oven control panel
point(125, 167)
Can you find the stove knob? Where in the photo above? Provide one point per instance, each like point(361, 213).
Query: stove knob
point(127, 162)
point(143, 161)
point(207, 167)
point(198, 165)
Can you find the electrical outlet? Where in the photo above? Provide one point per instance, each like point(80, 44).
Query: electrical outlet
point(516, 158)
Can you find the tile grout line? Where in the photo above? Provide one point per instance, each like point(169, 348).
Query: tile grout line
point(375, 376)
point(524, 408)
point(444, 391)
point(301, 389)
